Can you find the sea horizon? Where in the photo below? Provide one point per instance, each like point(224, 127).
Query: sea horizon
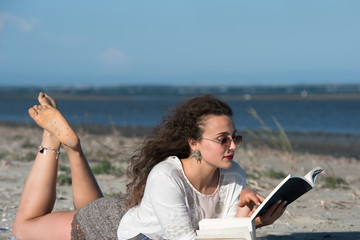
point(304, 90)
point(297, 108)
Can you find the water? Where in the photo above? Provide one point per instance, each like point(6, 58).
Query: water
point(336, 116)
point(144, 109)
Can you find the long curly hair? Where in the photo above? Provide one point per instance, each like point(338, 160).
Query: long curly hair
point(170, 138)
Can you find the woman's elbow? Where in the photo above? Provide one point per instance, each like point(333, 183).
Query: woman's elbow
point(17, 229)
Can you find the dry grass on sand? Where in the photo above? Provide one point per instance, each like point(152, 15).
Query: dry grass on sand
point(330, 211)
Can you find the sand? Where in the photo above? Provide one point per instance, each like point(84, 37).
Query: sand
point(323, 213)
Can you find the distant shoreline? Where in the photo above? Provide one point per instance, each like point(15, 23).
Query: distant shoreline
point(238, 97)
point(343, 96)
point(334, 144)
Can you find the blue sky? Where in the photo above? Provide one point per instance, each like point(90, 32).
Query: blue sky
point(197, 42)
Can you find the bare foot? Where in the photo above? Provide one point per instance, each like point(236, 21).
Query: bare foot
point(45, 99)
point(53, 121)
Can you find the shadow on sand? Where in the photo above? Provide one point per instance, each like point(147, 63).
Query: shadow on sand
point(314, 236)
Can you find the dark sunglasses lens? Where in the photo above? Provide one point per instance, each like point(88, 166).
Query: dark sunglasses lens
point(225, 141)
point(238, 140)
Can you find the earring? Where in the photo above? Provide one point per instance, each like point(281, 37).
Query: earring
point(196, 155)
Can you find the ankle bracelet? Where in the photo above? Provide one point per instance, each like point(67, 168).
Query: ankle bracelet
point(43, 149)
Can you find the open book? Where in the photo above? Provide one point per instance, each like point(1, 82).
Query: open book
point(290, 189)
point(228, 228)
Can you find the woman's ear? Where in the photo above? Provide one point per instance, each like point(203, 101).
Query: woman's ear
point(192, 143)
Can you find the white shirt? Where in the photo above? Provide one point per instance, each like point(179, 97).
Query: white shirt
point(172, 207)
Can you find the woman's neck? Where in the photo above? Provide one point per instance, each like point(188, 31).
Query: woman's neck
point(203, 177)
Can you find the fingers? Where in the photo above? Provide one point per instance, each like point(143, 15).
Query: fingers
point(280, 209)
point(276, 207)
point(273, 207)
point(256, 199)
point(250, 197)
point(261, 197)
point(252, 211)
point(273, 213)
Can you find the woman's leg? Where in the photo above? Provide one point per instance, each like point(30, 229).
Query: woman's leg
point(34, 217)
point(84, 185)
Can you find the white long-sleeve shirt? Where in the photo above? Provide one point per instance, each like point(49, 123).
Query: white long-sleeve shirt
point(172, 207)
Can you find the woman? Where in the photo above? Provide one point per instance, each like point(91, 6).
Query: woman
point(183, 173)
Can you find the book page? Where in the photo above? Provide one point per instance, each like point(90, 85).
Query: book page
point(220, 223)
point(311, 176)
point(229, 233)
point(229, 228)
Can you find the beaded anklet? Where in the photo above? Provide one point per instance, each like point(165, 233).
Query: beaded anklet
point(43, 149)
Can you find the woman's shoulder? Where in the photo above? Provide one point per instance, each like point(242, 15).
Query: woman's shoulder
point(166, 173)
point(235, 171)
point(167, 167)
point(235, 168)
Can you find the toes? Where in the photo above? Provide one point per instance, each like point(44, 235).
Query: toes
point(45, 99)
point(38, 108)
point(51, 101)
point(33, 112)
point(41, 96)
point(42, 99)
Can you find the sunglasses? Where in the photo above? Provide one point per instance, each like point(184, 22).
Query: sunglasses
point(226, 141)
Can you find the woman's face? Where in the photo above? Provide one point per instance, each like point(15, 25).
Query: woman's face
point(212, 151)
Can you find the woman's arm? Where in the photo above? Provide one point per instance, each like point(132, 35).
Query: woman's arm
point(169, 204)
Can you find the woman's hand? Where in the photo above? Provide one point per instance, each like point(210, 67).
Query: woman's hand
point(270, 216)
point(250, 198)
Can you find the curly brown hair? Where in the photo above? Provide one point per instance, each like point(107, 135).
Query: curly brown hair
point(170, 138)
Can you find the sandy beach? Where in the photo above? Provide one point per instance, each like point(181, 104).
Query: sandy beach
point(330, 211)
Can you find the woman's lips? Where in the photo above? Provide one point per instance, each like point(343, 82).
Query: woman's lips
point(229, 157)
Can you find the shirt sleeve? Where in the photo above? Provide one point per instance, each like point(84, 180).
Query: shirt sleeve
point(167, 197)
